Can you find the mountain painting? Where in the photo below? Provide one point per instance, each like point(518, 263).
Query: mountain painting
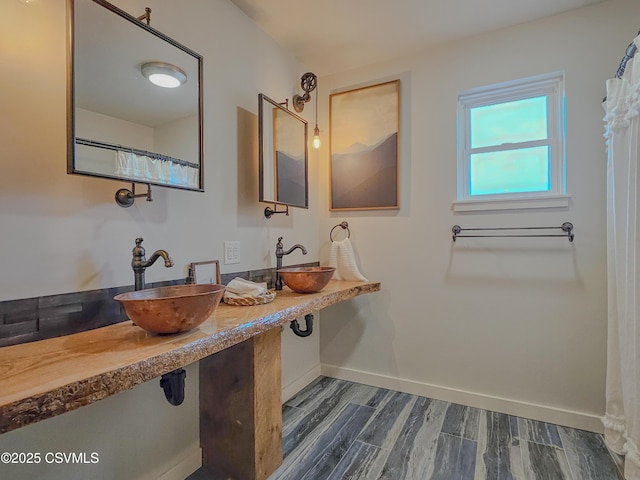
point(364, 148)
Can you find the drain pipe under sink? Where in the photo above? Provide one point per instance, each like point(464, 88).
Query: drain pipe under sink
point(173, 385)
point(296, 327)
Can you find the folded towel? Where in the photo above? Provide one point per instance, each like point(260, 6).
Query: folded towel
point(341, 257)
point(241, 288)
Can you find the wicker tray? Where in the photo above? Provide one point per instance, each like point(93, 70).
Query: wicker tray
point(249, 301)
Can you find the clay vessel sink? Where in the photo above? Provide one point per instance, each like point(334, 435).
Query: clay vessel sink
point(171, 309)
point(306, 279)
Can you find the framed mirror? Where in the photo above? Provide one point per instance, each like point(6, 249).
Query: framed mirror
point(121, 125)
point(283, 155)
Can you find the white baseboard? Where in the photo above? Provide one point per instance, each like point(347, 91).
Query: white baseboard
point(299, 383)
point(188, 464)
point(559, 416)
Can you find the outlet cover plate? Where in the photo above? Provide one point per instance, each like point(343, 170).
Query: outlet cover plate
point(231, 252)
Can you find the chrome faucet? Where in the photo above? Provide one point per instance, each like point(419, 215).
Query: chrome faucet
point(281, 253)
point(139, 263)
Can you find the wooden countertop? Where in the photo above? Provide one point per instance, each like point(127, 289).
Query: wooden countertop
point(42, 379)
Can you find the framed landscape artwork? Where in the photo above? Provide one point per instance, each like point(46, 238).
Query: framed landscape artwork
point(364, 137)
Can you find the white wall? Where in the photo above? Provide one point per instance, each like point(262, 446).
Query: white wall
point(178, 138)
point(63, 233)
point(516, 325)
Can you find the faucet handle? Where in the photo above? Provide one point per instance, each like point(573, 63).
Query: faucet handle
point(138, 250)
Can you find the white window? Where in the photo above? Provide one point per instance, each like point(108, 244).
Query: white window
point(511, 145)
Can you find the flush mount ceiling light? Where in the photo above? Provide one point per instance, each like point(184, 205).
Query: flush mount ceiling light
point(163, 74)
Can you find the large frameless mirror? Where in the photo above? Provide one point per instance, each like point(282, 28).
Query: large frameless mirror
point(282, 155)
point(134, 100)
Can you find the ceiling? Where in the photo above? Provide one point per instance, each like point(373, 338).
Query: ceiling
point(331, 36)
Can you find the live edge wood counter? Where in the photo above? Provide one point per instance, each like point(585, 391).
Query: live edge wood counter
point(43, 379)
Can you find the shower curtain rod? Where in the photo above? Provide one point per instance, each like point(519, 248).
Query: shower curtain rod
point(121, 148)
point(628, 55)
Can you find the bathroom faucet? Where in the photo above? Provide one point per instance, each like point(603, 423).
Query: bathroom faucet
point(140, 264)
point(281, 253)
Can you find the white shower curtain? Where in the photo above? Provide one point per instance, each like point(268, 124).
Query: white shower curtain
point(622, 417)
point(146, 169)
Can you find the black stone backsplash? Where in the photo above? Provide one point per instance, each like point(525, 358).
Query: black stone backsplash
point(38, 318)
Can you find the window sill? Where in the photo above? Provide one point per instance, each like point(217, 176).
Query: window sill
point(476, 205)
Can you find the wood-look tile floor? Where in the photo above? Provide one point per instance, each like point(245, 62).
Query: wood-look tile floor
point(335, 430)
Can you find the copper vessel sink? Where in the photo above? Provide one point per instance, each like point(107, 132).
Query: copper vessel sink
point(306, 279)
point(171, 309)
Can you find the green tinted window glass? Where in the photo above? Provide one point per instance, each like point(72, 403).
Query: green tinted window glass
point(510, 122)
point(510, 171)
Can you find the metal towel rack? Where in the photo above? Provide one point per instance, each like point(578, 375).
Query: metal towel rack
point(566, 227)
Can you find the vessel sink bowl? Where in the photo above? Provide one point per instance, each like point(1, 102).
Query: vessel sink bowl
point(171, 309)
point(306, 279)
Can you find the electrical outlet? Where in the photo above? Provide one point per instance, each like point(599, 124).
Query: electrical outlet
point(231, 252)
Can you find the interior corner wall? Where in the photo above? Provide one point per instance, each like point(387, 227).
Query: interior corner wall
point(514, 325)
point(64, 233)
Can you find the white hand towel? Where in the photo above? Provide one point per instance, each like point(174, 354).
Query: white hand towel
point(241, 288)
point(341, 257)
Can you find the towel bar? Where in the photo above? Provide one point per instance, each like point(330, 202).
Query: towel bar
point(566, 227)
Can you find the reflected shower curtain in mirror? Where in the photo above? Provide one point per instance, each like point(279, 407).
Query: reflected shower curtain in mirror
point(145, 169)
point(622, 417)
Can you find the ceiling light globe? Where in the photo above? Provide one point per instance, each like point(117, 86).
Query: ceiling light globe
point(163, 74)
point(164, 80)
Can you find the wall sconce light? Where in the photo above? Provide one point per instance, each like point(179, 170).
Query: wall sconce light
point(309, 83)
point(163, 74)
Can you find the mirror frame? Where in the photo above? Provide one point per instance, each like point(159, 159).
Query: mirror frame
point(261, 155)
point(71, 104)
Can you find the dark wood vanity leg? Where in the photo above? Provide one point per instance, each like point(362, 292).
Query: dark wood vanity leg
point(241, 408)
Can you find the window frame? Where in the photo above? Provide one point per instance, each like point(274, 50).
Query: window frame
point(550, 85)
